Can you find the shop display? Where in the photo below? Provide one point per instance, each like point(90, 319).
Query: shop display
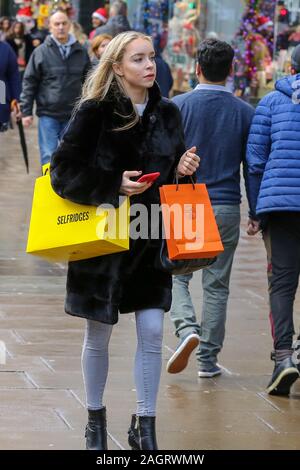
point(177, 26)
point(254, 50)
point(183, 39)
point(151, 17)
point(39, 11)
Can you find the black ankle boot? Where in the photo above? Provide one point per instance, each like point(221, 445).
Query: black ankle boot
point(141, 434)
point(95, 431)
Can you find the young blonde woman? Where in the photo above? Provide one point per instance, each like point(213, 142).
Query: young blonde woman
point(121, 129)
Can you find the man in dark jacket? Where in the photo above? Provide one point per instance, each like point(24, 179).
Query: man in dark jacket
point(273, 156)
point(163, 72)
point(53, 79)
point(10, 83)
point(218, 125)
point(117, 22)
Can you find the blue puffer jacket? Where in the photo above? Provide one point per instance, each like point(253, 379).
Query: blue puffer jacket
point(273, 151)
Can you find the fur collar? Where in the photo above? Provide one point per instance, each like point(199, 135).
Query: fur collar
point(121, 107)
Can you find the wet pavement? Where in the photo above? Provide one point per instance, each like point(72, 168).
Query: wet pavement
point(41, 390)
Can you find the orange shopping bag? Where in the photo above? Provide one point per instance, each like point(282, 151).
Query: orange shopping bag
point(190, 226)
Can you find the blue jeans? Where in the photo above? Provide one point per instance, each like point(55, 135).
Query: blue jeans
point(50, 133)
point(215, 284)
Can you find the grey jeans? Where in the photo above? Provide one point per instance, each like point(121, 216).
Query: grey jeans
point(148, 359)
point(215, 284)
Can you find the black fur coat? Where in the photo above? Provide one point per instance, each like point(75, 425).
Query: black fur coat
point(87, 168)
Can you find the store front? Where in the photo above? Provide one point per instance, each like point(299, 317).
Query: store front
point(80, 9)
point(179, 26)
point(183, 39)
point(189, 23)
point(223, 18)
point(251, 26)
point(261, 31)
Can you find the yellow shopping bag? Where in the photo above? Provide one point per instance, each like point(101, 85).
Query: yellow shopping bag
point(61, 230)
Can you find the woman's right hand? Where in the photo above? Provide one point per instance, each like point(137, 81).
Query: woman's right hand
point(129, 187)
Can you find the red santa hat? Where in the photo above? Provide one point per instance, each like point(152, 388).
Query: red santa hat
point(101, 14)
point(26, 11)
point(264, 22)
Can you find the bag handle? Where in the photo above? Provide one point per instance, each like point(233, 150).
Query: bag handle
point(176, 180)
point(45, 169)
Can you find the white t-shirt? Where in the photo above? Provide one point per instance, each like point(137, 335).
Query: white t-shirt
point(141, 108)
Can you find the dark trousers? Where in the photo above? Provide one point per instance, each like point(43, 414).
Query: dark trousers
point(282, 241)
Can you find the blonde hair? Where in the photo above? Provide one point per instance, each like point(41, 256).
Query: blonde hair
point(103, 78)
point(77, 31)
point(98, 40)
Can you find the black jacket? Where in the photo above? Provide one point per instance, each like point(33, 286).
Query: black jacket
point(87, 168)
point(28, 46)
point(163, 75)
point(54, 83)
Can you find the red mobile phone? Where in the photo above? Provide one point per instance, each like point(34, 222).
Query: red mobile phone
point(148, 178)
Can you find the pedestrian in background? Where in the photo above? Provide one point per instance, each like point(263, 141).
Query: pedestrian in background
point(218, 124)
point(10, 83)
point(163, 72)
point(54, 78)
point(77, 31)
point(5, 25)
point(273, 157)
point(98, 46)
point(117, 21)
point(21, 43)
point(99, 18)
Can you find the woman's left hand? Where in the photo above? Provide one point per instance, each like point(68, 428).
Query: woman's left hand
point(188, 163)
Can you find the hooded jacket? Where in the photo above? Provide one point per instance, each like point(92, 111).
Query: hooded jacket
point(273, 150)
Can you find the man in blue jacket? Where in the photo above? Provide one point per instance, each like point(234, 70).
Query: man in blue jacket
point(273, 156)
point(10, 83)
point(218, 124)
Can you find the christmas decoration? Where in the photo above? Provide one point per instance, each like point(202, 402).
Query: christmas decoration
point(24, 14)
point(151, 18)
point(254, 46)
point(39, 10)
point(101, 14)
